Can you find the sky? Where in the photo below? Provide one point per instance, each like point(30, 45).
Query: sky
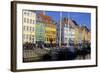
point(80, 18)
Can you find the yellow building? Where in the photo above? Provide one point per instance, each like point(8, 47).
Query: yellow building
point(50, 29)
point(84, 33)
point(76, 35)
point(50, 33)
point(89, 37)
point(29, 21)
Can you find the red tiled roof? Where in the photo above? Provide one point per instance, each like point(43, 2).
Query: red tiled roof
point(44, 17)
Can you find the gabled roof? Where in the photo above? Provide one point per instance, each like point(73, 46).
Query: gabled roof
point(84, 27)
point(71, 23)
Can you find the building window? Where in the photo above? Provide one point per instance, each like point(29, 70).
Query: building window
point(24, 20)
point(30, 21)
point(30, 37)
point(24, 13)
point(27, 20)
point(27, 28)
point(30, 28)
point(27, 37)
point(65, 25)
point(24, 36)
point(24, 28)
point(33, 38)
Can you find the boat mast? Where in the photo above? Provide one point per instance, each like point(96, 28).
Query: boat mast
point(68, 30)
point(60, 29)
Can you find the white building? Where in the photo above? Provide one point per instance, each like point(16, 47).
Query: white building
point(69, 34)
point(29, 21)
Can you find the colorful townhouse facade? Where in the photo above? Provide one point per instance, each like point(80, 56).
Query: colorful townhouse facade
point(38, 27)
point(89, 37)
point(86, 34)
point(67, 32)
point(82, 35)
point(72, 34)
point(45, 29)
point(50, 32)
